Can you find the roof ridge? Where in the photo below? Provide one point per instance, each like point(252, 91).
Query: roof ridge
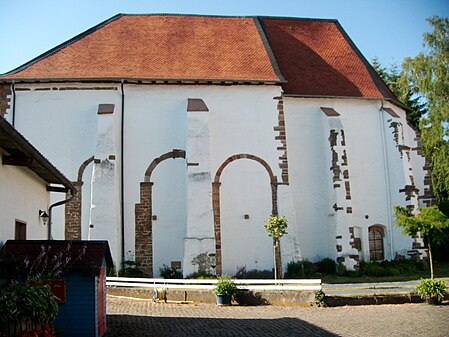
point(231, 16)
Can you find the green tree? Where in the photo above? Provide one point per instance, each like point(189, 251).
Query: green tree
point(431, 223)
point(428, 75)
point(400, 87)
point(276, 227)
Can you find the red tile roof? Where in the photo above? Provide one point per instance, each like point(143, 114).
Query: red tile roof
point(316, 57)
point(160, 47)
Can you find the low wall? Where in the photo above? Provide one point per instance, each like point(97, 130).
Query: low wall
point(245, 297)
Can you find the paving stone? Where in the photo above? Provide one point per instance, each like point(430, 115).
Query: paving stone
point(137, 317)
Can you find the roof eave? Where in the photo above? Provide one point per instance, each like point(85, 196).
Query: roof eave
point(394, 101)
point(144, 80)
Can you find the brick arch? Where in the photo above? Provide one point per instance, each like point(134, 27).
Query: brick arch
point(73, 207)
point(216, 199)
point(144, 215)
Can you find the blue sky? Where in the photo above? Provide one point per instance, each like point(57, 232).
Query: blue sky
point(388, 29)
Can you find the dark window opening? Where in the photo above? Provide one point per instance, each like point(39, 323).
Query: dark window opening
point(21, 230)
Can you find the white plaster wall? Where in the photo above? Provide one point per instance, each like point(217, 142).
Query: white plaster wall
point(61, 121)
point(241, 120)
point(307, 147)
point(245, 189)
point(200, 240)
point(22, 195)
point(370, 188)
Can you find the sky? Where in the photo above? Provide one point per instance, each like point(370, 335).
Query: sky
point(387, 29)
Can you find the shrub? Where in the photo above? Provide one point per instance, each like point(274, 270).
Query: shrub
point(300, 269)
point(200, 275)
point(390, 268)
point(373, 269)
point(326, 266)
point(242, 273)
point(170, 272)
point(26, 306)
point(225, 286)
point(431, 289)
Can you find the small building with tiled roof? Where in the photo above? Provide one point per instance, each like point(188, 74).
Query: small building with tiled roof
point(76, 273)
point(323, 140)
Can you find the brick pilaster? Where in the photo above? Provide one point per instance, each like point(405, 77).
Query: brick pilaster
point(144, 230)
point(73, 214)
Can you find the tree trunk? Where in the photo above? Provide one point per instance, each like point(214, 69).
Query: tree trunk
point(430, 260)
point(277, 259)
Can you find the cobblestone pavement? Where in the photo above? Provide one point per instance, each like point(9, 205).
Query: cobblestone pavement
point(134, 317)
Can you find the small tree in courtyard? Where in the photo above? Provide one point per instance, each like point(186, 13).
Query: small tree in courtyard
point(276, 227)
point(430, 222)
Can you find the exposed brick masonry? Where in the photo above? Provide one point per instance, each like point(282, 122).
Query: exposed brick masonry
point(283, 162)
point(5, 101)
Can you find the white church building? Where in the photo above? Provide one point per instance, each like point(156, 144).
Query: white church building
point(182, 134)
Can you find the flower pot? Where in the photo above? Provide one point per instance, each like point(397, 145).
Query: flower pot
point(223, 299)
point(435, 300)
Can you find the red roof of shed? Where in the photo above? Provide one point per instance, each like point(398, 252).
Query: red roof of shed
point(84, 256)
point(315, 56)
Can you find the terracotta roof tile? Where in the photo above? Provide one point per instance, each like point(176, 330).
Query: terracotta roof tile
point(160, 47)
point(317, 58)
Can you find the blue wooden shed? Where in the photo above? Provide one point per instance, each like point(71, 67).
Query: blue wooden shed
point(81, 288)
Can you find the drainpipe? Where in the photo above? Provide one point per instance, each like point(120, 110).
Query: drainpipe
point(122, 175)
point(387, 178)
point(13, 109)
point(59, 203)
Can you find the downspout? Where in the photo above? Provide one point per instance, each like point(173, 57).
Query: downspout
point(13, 108)
point(59, 203)
point(387, 178)
point(122, 175)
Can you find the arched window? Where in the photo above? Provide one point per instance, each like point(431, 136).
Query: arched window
point(376, 242)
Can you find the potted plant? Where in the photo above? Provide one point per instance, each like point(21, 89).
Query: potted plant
point(224, 289)
point(432, 291)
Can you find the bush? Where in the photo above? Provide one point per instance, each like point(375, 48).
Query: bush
point(26, 306)
point(326, 266)
point(242, 273)
point(170, 272)
point(300, 269)
point(200, 275)
point(390, 268)
point(429, 289)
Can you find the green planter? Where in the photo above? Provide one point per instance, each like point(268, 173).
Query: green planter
point(223, 299)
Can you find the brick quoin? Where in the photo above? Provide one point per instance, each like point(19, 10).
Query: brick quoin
point(5, 101)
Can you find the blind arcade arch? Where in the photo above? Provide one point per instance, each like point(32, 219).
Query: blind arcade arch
point(216, 200)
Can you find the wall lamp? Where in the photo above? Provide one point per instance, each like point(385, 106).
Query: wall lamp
point(44, 216)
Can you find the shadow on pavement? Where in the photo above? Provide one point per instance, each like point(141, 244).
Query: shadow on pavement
point(128, 325)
